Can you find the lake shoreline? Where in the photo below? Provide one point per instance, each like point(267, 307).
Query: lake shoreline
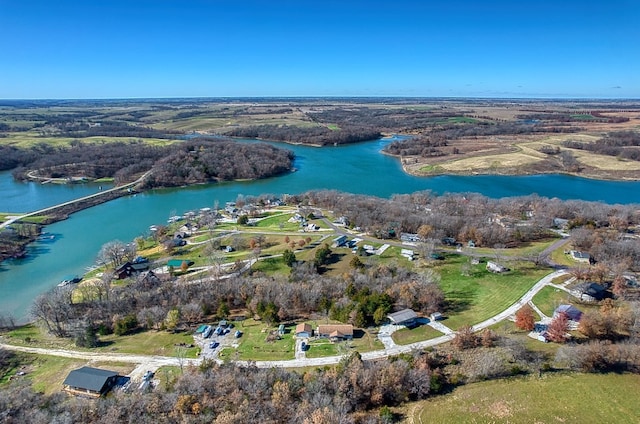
point(506, 172)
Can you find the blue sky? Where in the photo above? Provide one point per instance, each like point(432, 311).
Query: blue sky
point(220, 48)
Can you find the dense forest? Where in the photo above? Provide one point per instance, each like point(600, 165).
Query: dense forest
point(623, 144)
point(348, 393)
point(320, 136)
point(194, 161)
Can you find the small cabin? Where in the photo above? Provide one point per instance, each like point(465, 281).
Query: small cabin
point(88, 381)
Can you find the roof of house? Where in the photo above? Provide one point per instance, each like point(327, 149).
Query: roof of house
point(402, 316)
point(342, 329)
point(303, 327)
point(89, 378)
point(572, 312)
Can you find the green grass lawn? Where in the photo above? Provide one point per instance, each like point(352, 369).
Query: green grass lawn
point(549, 298)
point(271, 266)
point(368, 342)
point(150, 342)
point(322, 348)
point(558, 256)
point(278, 222)
point(254, 346)
point(568, 398)
point(417, 334)
point(48, 372)
point(482, 294)
point(144, 342)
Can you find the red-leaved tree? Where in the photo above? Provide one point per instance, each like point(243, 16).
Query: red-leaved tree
point(557, 330)
point(525, 319)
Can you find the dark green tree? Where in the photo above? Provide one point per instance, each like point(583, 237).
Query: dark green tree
point(289, 258)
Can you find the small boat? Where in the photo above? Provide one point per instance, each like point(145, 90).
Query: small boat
point(72, 279)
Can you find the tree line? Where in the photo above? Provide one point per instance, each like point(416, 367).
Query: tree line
point(362, 297)
point(623, 144)
point(195, 161)
point(320, 135)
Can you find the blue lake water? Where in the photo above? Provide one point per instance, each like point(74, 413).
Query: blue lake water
point(358, 168)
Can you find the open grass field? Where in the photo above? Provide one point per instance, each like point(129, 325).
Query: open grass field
point(48, 372)
point(150, 342)
point(144, 342)
point(32, 138)
point(271, 266)
point(526, 249)
point(481, 294)
point(323, 347)
point(554, 398)
point(558, 256)
point(416, 334)
point(491, 162)
point(253, 344)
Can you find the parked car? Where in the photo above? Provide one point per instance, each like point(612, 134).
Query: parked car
point(148, 376)
point(238, 334)
point(207, 332)
point(214, 345)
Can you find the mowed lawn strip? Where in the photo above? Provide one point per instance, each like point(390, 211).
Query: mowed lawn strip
point(480, 294)
point(570, 398)
point(416, 334)
point(150, 342)
point(253, 344)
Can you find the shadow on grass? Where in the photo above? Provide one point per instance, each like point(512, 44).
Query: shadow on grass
point(460, 302)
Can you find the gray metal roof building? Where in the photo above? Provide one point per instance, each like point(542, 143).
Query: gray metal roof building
point(90, 381)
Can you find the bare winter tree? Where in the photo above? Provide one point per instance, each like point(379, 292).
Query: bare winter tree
point(54, 310)
point(115, 253)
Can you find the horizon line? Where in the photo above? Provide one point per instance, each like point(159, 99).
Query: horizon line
point(302, 97)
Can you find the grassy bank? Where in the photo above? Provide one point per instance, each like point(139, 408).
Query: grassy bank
point(569, 398)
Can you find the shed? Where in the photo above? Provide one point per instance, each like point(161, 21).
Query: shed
point(403, 317)
point(496, 267)
point(93, 382)
point(304, 330)
point(436, 316)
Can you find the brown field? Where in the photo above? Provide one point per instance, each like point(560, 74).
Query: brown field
point(520, 154)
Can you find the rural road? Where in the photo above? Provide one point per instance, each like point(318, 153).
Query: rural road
point(152, 363)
